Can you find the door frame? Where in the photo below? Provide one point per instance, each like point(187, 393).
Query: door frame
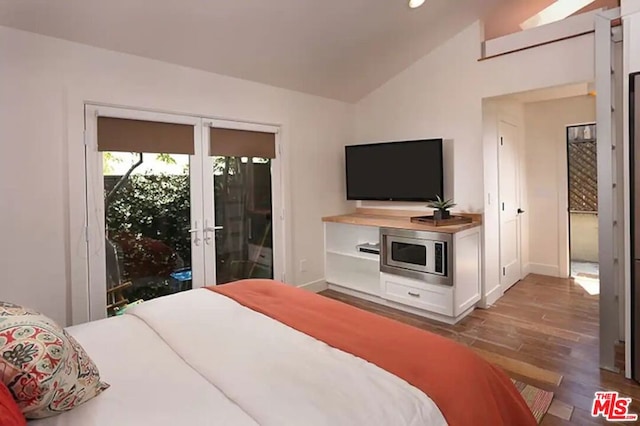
point(632, 331)
point(502, 119)
point(564, 243)
point(277, 193)
point(89, 302)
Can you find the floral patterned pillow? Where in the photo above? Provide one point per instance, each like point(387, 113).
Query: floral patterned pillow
point(44, 368)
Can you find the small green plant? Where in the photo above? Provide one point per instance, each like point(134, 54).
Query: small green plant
point(440, 204)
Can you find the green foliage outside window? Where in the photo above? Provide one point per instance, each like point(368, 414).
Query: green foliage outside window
point(149, 219)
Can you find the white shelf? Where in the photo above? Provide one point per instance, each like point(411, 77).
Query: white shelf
point(358, 255)
point(343, 238)
point(353, 271)
point(351, 286)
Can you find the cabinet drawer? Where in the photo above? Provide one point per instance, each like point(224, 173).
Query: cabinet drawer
point(428, 297)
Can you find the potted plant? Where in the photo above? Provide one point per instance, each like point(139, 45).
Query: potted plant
point(441, 208)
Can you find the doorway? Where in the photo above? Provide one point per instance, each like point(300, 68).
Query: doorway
point(181, 202)
point(582, 180)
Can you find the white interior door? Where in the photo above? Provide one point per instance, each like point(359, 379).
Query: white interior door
point(509, 181)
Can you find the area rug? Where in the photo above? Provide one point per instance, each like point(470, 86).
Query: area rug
point(537, 399)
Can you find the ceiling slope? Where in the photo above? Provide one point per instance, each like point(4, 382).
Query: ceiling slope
point(341, 49)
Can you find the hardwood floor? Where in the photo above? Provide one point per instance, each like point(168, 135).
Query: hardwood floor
point(543, 331)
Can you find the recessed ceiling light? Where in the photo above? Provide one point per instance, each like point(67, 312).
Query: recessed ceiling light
point(415, 3)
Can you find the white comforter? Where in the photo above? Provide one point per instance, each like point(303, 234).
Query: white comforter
point(200, 358)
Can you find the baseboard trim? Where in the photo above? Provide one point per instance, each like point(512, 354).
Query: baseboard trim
point(491, 297)
point(315, 286)
point(526, 270)
point(541, 269)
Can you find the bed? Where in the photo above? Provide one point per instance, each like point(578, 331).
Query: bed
point(258, 352)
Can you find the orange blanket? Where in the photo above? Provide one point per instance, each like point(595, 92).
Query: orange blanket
point(467, 389)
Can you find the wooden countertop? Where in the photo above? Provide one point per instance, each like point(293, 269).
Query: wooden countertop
point(400, 219)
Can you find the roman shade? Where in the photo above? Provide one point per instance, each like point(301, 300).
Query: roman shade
point(242, 143)
point(121, 134)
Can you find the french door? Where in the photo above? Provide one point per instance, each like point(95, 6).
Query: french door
point(241, 173)
point(175, 203)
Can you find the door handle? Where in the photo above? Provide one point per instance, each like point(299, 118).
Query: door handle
point(208, 230)
point(194, 231)
point(520, 211)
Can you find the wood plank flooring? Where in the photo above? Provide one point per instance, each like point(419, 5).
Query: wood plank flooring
point(544, 332)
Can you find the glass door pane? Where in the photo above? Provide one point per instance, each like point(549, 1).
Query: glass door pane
point(243, 218)
point(147, 204)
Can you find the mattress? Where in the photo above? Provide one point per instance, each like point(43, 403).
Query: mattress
point(150, 383)
point(200, 358)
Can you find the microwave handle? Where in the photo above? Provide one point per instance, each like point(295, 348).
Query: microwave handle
point(440, 257)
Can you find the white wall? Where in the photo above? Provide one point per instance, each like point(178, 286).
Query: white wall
point(632, 41)
point(584, 237)
point(546, 145)
point(630, 6)
point(44, 83)
point(441, 96)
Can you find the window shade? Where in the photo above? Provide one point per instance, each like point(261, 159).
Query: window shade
point(242, 143)
point(120, 134)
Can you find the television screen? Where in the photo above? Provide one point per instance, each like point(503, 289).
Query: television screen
point(395, 171)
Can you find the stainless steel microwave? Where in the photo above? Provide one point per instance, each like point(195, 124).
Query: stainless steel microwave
point(422, 255)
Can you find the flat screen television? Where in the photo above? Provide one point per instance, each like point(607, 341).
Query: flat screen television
point(395, 171)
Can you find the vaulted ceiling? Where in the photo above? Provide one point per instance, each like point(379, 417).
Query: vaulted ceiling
point(341, 49)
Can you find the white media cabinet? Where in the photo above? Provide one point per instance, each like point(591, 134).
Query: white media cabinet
point(358, 274)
